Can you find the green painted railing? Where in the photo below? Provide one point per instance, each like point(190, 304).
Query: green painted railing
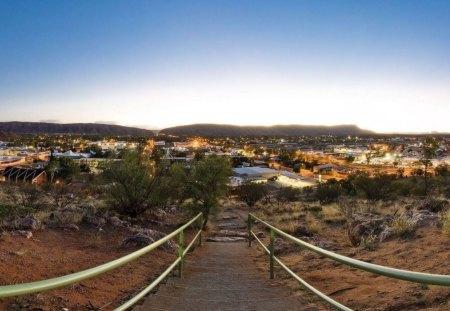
point(418, 277)
point(45, 285)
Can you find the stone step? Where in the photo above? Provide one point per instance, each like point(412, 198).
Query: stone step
point(162, 302)
point(213, 284)
point(226, 239)
point(194, 268)
point(232, 225)
point(226, 294)
point(231, 233)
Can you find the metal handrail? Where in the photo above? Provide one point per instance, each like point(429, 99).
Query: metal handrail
point(418, 277)
point(45, 285)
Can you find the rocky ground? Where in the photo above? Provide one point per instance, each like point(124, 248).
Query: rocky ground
point(372, 237)
point(32, 250)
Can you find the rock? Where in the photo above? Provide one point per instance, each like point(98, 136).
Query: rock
point(232, 225)
point(225, 239)
point(160, 214)
point(90, 207)
point(282, 247)
point(433, 205)
point(385, 234)
point(229, 217)
point(144, 237)
point(70, 227)
point(328, 245)
point(365, 225)
point(116, 222)
point(94, 220)
point(28, 223)
point(423, 218)
point(301, 231)
point(24, 233)
point(232, 233)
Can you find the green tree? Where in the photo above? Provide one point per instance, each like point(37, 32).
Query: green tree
point(131, 184)
point(208, 180)
point(429, 150)
point(68, 169)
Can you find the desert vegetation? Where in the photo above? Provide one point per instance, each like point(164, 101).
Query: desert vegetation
point(133, 203)
point(383, 219)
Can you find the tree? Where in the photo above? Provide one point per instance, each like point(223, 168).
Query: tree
point(175, 181)
point(96, 149)
point(328, 192)
point(429, 150)
point(368, 158)
point(286, 194)
point(373, 188)
point(251, 193)
point(131, 183)
point(52, 168)
point(441, 170)
point(208, 180)
point(68, 169)
point(349, 159)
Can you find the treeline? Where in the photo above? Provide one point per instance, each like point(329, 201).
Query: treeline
point(384, 186)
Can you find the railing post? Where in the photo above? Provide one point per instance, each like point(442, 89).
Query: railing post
point(180, 253)
point(201, 225)
point(271, 250)
point(249, 228)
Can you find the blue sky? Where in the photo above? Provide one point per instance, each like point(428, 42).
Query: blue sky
point(384, 65)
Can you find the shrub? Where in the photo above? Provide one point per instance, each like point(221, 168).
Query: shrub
point(313, 225)
point(435, 205)
point(402, 226)
point(286, 194)
point(251, 193)
point(374, 188)
point(328, 193)
point(446, 223)
point(12, 211)
point(370, 243)
point(289, 226)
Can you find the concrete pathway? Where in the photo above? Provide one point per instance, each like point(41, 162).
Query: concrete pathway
point(222, 276)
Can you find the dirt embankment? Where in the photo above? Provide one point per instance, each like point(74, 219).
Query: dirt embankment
point(428, 251)
point(52, 253)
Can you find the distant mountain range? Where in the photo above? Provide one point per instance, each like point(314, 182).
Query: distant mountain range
point(69, 128)
point(275, 130)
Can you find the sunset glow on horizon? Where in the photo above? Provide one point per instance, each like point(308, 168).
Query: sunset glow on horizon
point(383, 65)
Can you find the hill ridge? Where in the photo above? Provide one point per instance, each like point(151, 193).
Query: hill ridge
point(209, 129)
point(18, 127)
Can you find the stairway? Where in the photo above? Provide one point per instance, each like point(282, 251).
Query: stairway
point(222, 276)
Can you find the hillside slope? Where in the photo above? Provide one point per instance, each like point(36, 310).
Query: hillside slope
point(276, 130)
point(69, 128)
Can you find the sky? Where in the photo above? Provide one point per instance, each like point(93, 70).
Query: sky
point(383, 65)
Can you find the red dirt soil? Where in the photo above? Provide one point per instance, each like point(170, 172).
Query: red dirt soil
point(428, 252)
point(52, 253)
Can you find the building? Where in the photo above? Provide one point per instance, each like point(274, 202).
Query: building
point(254, 172)
point(72, 155)
point(6, 161)
point(21, 174)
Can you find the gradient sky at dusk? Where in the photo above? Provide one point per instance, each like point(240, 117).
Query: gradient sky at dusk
point(383, 65)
